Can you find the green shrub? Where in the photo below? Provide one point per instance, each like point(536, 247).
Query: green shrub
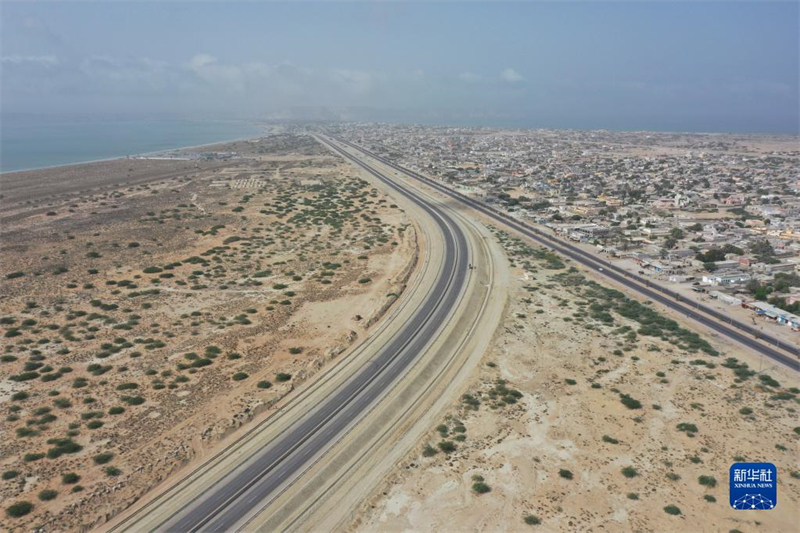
point(18, 509)
point(481, 488)
point(70, 478)
point(429, 451)
point(281, 377)
point(24, 376)
point(264, 384)
point(103, 458)
point(629, 472)
point(116, 410)
point(769, 381)
point(48, 494)
point(671, 509)
point(19, 396)
point(133, 400)
point(62, 446)
point(629, 402)
point(447, 446)
point(63, 403)
point(10, 474)
point(239, 376)
point(26, 432)
point(112, 471)
point(532, 520)
point(566, 474)
point(687, 427)
point(707, 481)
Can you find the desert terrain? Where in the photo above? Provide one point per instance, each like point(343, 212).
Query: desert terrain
point(151, 308)
point(596, 412)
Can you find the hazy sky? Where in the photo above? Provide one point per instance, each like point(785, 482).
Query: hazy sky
point(714, 66)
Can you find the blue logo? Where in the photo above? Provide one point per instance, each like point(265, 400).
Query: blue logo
point(753, 486)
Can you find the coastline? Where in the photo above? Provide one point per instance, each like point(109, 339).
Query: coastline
point(139, 154)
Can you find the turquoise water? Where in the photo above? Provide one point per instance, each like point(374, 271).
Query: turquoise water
point(32, 141)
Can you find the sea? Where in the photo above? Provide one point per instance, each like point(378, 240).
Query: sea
point(35, 141)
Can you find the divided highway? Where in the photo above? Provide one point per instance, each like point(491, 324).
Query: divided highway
point(711, 318)
point(225, 504)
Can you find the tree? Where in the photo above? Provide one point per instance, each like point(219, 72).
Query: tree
point(731, 249)
point(762, 249)
point(752, 286)
point(712, 255)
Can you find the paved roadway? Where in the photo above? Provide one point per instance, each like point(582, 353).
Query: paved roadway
point(229, 501)
point(733, 329)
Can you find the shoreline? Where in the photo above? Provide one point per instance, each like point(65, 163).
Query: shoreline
point(129, 156)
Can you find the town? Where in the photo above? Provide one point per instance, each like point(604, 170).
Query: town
point(712, 216)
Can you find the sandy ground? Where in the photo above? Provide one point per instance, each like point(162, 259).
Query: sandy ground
point(33, 188)
point(179, 300)
point(544, 428)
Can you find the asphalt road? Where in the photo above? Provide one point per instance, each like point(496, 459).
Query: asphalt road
point(725, 325)
point(236, 495)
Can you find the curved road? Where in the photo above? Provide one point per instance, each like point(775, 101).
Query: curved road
point(742, 333)
point(230, 500)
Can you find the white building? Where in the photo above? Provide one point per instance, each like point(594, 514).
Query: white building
point(725, 279)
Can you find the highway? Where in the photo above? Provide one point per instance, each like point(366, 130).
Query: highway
point(227, 502)
point(275, 474)
point(711, 318)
